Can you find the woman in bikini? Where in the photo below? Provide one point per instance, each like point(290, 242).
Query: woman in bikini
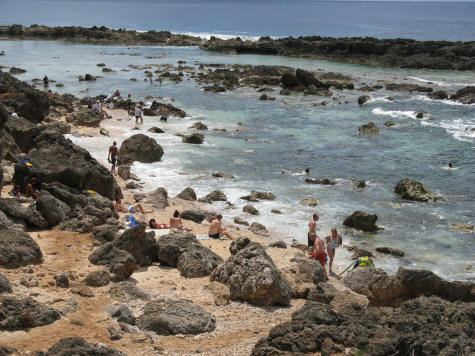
point(333, 241)
point(176, 223)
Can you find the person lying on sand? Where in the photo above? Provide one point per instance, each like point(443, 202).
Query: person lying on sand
point(176, 223)
point(154, 225)
point(131, 209)
point(216, 229)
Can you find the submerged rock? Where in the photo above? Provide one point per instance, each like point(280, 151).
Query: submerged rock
point(362, 221)
point(140, 148)
point(369, 129)
point(411, 190)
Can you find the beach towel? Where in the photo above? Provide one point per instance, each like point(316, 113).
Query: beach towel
point(159, 232)
point(206, 237)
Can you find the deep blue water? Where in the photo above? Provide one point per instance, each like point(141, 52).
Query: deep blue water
point(424, 20)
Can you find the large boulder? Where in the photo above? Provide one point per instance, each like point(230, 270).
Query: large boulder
point(14, 209)
point(359, 278)
point(363, 99)
point(24, 313)
point(252, 276)
point(302, 274)
point(5, 286)
point(56, 159)
point(17, 96)
point(140, 244)
point(84, 117)
point(362, 221)
point(140, 148)
point(121, 263)
point(187, 194)
point(97, 279)
point(17, 249)
point(105, 233)
point(127, 292)
point(430, 325)
point(465, 95)
point(9, 223)
point(78, 346)
point(158, 198)
point(215, 195)
point(53, 209)
point(255, 196)
point(307, 79)
point(194, 138)
point(194, 215)
point(183, 251)
point(369, 129)
point(411, 190)
point(408, 284)
point(22, 131)
point(175, 316)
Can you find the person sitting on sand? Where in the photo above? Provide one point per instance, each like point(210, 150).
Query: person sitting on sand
point(131, 209)
point(97, 107)
point(216, 229)
point(333, 241)
point(318, 252)
point(154, 225)
point(176, 223)
point(32, 189)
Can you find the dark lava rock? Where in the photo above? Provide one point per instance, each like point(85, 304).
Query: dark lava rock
point(359, 278)
point(24, 313)
point(390, 251)
point(465, 95)
point(158, 198)
point(438, 95)
point(121, 263)
point(255, 196)
point(140, 148)
point(248, 208)
point(215, 195)
point(222, 175)
point(265, 97)
point(369, 129)
point(199, 126)
point(187, 194)
point(195, 138)
point(84, 117)
point(53, 209)
point(16, 70)
point(252, 276)
point(97, 279)
point(175, 316)
point(362, 221)
point(408, 87)
point(62, 280)
point(17, 249)
point(156, 130)
point(105, 233)
point(114, 334)
point(127, 292)
point(124, 315)
point(415, 325)
point(323, 181)
point(278, 244)
point(77, 346)
point(240, 221)
point(5, 286)
point(408, 284)
point(389, 123)
point(14, 209)
point(363, 99)
point(258, 229)
point(193, 215)
point(140, 244)
point(359, 184)
point(411, 190)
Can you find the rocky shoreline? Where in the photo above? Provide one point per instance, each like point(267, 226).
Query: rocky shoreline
point(79, 282)
point(403, 53)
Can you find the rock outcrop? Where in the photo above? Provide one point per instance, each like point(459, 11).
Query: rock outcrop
point(17, 249)
point(5, 286)
point(369, 129)
point(175, 316)
point(140, 148)
point(187, 194)
point(121, 263)
point(252, 276)
point(78, 346)
point(140, 244)
point(362, 221)
point(411, 190)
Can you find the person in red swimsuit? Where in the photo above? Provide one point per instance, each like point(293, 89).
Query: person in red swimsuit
point(318, 252)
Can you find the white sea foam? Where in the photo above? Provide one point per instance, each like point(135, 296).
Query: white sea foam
point(460, 129)
point(395, 113)
point(440, 83)
point(379, 99)
point(443, 101)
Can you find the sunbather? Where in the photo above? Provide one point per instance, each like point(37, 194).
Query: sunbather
point(176, 223)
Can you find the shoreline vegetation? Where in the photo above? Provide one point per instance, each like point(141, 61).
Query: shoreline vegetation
point(80, 282)
point(402, 53)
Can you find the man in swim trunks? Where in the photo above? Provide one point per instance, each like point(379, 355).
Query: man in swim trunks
point(113, 155)
point(216, 229)
point(312, 229)
point(318, 252)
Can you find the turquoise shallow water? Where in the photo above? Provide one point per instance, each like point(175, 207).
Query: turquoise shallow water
point(290, 134)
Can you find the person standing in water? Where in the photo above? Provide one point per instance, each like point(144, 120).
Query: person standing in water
point(333, 241)
point(138, 113)
point(164, 113)
point(113, 155)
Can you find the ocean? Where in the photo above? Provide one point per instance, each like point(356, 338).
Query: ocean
point(421, 20)
point(262, 139)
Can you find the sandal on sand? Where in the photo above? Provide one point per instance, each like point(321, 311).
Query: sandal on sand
point(333, 274)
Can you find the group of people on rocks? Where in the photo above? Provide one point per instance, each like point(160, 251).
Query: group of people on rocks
point(317, 246)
